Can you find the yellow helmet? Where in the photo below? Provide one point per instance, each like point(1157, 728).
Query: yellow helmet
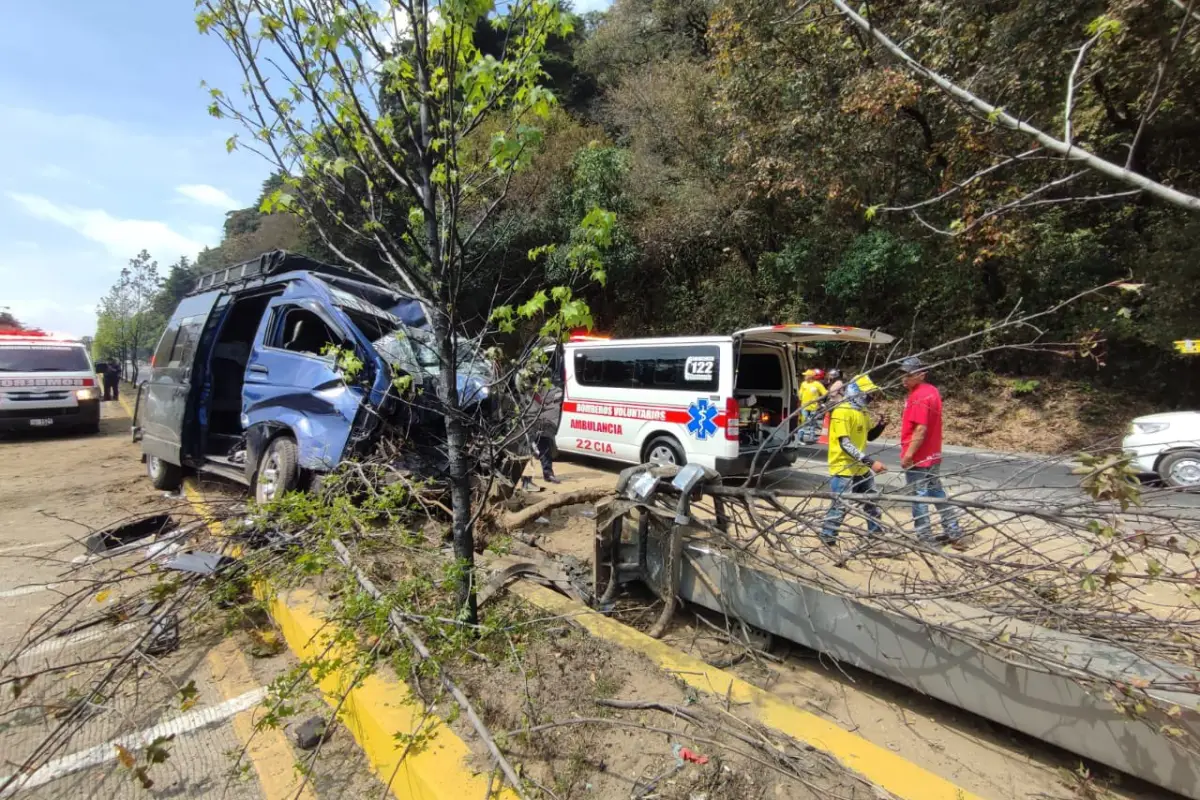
point(864, 384)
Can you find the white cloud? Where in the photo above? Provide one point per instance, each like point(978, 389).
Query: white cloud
point(54, 172)
point(208, 195)
point(122, 238)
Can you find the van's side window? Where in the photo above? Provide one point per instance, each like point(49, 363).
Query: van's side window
point(184, 351)
point(301, 331)
point(162, 354)
point(694, 368)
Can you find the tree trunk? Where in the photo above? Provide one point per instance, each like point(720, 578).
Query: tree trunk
point(460, 474)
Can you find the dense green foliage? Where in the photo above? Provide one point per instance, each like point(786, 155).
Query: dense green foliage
point(763, 154)
point(766, 162)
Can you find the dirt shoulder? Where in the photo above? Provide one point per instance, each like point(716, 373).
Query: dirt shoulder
point(1032, 415)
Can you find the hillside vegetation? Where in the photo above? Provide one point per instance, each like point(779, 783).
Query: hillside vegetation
point(771, 162)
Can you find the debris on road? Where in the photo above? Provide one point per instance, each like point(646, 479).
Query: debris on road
point(312, 732)
point(126, 533)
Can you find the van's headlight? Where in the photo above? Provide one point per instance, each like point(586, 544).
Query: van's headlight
point(90, 393)
point(1150, 427)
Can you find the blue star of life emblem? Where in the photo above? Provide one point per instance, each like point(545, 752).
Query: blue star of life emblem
point(702, 423)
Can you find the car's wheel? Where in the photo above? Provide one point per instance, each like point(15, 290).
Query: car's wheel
point(163, 474)
point(665, 450)
point(278, 470)
point(1181, 470)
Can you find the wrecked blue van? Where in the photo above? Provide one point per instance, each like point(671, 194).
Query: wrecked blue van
point(246, 382)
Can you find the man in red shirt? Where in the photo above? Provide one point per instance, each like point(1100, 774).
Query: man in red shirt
point(921, 451)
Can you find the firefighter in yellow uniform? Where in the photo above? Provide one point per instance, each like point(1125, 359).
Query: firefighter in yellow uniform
point(811, 392)
point(851, 470)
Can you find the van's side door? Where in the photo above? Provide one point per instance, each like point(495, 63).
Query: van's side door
point(291, 383)
point(166, 407)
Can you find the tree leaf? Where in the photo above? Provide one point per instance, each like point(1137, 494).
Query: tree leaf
point(125, 757)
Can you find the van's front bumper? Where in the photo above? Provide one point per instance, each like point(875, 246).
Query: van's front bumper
point(14, 417)
point(767, 459)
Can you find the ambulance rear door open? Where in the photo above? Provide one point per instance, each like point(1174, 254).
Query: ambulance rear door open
point(774, 388)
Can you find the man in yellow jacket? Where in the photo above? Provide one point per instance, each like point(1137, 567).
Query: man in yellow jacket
point(811, 392)
point(851, 470)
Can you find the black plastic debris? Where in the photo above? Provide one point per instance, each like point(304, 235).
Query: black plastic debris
point(128, 532)
point(163, 637)
point(311, 733)
point(201, 563)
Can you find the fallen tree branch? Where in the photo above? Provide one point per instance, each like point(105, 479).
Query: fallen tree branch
point(526, 515)
point(402, 628)
point(1000, 117)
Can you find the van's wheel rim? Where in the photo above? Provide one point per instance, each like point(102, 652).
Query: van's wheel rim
point(268, 477)
point(1186, 472)
point(152, 463)
point(662, 454)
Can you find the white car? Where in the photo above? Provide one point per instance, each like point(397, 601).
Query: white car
point(1167, 445)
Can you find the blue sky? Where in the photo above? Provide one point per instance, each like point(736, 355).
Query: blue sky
point(109, 149)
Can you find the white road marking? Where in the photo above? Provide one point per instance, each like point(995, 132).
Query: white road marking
point(54, 645)
point(28, 546)
point(102, 753)
point(31, 588)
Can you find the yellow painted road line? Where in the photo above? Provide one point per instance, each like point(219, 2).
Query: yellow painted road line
point(378, 711)
point(268, 750)
point(878, 765)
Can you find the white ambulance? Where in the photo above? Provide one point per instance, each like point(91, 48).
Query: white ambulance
point(725, 402)
point(46, 381)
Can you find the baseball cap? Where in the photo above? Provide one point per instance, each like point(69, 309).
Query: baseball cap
point(864, 384)
point(912, 365)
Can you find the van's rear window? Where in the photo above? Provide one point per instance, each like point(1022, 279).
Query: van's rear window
point(43, 358)
point(693, 369)
point(761, 372)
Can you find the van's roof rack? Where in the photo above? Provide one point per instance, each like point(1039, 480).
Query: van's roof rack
point(274, 263)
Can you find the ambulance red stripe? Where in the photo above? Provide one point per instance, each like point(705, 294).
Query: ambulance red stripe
point(643, 412)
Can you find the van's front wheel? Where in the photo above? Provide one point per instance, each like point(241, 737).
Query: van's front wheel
point(163, 474)
point(665, 450)
point(278, 470)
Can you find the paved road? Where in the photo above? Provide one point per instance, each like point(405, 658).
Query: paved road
point(1014, 475)
point(53, 489)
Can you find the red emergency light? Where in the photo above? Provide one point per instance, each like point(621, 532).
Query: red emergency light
point(588, 337)
point(24, 333)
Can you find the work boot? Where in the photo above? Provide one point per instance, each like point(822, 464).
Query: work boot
point(549, 477)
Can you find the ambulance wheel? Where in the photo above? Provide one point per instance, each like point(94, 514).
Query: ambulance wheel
point(664, 450)
point(164, 475)
point(278, 470)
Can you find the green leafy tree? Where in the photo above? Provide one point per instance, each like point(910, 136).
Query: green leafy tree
point(8, 321)
point(127, 323)
point(398, 139)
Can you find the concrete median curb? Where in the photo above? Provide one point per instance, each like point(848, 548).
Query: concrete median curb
point(377, 710)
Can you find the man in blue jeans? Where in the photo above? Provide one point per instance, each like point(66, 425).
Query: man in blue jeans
point(921, 452)
point(851, 470)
